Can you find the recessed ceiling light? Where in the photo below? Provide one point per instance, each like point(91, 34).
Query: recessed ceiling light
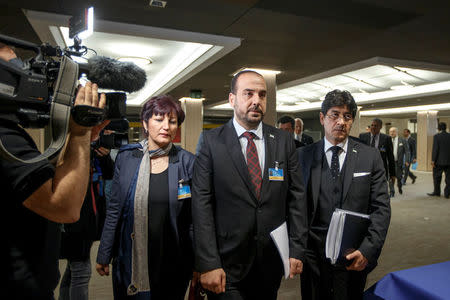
point(139, 61)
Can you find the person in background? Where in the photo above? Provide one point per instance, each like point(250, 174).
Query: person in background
point(341, 172)
point(412, 158)
point(77, 238)
point(287, 123)
point(299, 135)
point(383, 143)
point(402, 156)
point(148, 220)
point(440, 160)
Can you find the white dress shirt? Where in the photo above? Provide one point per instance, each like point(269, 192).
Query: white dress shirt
point(259, 142)
point(329, 153)
point(377, 140)
point(395, 145)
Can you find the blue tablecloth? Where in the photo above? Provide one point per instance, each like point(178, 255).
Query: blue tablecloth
point(424, 283)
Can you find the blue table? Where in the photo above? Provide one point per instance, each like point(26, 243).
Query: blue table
point(424, 283)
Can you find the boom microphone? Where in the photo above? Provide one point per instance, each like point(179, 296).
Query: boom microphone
point(109, 73)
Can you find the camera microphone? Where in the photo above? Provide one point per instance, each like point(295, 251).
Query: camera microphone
point(109, 73)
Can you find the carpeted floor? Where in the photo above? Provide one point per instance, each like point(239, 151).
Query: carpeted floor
point(418, 235)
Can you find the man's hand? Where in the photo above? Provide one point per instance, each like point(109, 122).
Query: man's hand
point(433, 164)
point(393, 179)
point(296, 267)
point(101, 151)
point(406, 163)
point(359, 261)
point(102, 269)
point(214, 280)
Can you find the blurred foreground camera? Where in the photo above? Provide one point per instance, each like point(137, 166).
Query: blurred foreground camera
point(40, 91)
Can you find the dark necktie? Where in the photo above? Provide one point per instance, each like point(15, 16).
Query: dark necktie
point(335, 161)
point(372, 144)
point(254, 169)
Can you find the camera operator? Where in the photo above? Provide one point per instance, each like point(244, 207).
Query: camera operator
point(37, 196)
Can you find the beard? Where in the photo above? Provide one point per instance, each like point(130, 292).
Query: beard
point(251, 118)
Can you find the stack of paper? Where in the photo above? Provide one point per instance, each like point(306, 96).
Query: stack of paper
point(345, 234)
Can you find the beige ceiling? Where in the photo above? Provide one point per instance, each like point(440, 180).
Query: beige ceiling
point(300, 38)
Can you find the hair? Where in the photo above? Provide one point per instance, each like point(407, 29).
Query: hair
point(162, 105)
point(442, 126)
point(300, 120)
point(407, 130)
point(339, 98)
point(236, 77)
point(286, 119)
point(378, 121)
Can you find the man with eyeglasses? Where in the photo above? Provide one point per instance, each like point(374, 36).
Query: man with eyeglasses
point(341, 172)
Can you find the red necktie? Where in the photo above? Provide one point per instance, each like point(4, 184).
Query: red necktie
point(254, 169)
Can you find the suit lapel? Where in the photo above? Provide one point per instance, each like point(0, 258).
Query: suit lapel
point(270, 155)
point(234, 149)
point(316, 172)
point(350, 163)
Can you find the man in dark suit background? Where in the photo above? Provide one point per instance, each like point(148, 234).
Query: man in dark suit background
point(341, 172)
point(237, 203)
point(382, 142)
point(402, 155)
point(287, 123)
point(440, 160)
point(300, 135)
point(413, 156)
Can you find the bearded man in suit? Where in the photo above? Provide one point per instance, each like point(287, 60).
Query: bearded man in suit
point(246, 183)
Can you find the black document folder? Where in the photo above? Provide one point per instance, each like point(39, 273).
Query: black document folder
point(345, 235)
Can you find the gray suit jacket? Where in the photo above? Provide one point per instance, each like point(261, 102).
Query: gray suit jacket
point(364, 190)
point(403, 152)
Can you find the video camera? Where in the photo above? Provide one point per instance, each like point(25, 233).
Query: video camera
point(41, 91)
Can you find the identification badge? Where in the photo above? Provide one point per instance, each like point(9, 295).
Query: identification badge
point(184, 191)
point(276, 174)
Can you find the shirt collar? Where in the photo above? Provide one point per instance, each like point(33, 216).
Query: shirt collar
point(327, 145)
point(240, 130)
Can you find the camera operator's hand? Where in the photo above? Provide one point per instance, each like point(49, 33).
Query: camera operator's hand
point(6, 53)
point(88, 95)
point(60, 198)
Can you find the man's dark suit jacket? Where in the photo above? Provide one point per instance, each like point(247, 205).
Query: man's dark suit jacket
point(299, 144)
point(386, 151)
point(231, 226)
point(403, 152)
point(306, 139)
point(412, 148)
point(364, 191)
point(441, 149)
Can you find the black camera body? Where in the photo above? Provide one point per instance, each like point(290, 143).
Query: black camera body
point(41, 90)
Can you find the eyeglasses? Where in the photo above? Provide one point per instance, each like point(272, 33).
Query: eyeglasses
point(335, 116)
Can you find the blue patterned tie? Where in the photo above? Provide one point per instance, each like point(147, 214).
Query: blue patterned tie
point(335, 161)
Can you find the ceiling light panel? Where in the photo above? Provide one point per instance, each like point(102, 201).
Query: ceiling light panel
point(367, 84)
